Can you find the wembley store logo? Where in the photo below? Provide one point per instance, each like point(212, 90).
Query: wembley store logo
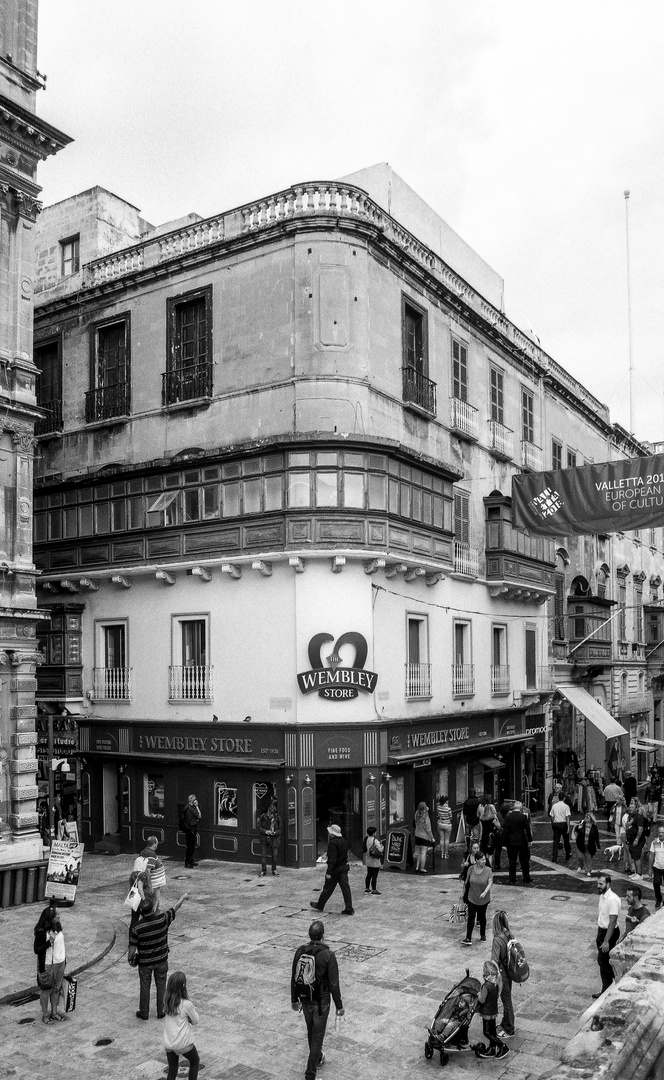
point(337, 681)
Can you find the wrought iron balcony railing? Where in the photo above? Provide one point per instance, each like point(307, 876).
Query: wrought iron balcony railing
point(111, 684)
point(463, 418)
point(418, 680)
point(466, 559)
point(418, 390)
point(463, 679)
point(501, 439)
point(186, 384)
point(500, 679)
point(531, 456)
point(192, 683)
point(53, 420)
point(108, 402)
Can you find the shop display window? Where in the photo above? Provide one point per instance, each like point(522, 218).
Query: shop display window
point(226, 805)
point(396, 799)
point(153, 795)
point(263, 794)
point(442, 782)
point(461, 784)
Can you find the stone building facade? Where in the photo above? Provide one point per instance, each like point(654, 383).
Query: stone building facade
point(25, 140)
point(273, 523)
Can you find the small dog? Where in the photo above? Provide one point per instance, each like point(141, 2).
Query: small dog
point(613, 852)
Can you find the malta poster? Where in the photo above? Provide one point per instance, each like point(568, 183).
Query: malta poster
point(616, 496)
point(64, 867)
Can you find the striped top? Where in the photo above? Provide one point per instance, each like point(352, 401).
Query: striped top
point(150, 936)
point(444, 814)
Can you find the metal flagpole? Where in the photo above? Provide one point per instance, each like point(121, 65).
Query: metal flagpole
point(629, 320)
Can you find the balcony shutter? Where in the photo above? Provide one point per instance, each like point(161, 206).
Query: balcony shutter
point(462, 517)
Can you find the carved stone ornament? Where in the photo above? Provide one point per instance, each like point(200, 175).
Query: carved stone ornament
point(22, 437)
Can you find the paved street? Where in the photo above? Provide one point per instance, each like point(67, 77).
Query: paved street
point(398, 956)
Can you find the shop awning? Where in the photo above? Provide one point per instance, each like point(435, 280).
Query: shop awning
point(593, 711)
point(406, 757)
point(208, 760)
point(492, 763)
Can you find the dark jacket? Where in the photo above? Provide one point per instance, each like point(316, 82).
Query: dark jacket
point(630, 788)
point(191, 818)
point(271, 823)
point(580, 838)
point(470, 810)
point(327, 972)
point(337, 854)
point(516, 829)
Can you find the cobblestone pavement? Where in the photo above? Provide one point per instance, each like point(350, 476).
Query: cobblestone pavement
point(398, 956)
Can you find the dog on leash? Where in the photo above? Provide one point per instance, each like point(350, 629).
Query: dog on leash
point(613, 852)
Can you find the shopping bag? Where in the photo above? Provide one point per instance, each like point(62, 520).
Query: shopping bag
point(133, 898)
point(68, 990)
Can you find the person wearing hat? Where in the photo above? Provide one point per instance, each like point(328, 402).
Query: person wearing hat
point(337, 871)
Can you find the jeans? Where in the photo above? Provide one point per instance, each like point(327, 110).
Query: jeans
point(190, 849)
point(560, 832)
point(523, 855)
point(657, 877)
point(53, 992)
point(474, 910)
point(269, 846)
point(145, 976)
point(507, 1023)
point(173, 1059)
point(315, 1017)
point(337, 878)
point(605, 970)
point(371, 878)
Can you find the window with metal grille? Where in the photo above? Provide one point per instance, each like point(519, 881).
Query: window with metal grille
point(459, 371)
point(70, 257)
point(556, 454)
point(527, 416)
point(496, 382)
point(111, 367)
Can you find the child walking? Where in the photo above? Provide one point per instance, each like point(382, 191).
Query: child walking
point(180, 1015)
point(488, 998)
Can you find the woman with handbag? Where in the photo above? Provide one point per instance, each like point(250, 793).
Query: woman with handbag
point(424, 838)
point(373, 860)
point(486, 812)
point(50, 980)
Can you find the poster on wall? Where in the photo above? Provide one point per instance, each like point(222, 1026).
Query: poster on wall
point(64, 867)
point(614, 496)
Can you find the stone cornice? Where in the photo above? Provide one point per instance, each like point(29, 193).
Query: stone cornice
point(34, 132)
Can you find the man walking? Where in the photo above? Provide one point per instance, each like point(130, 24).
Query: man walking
point(314, 980)
point(189, 825)
point(608, 931)
point(560, 814)
point(517, 837)
point(269, 827)
point(470, 808)
point(337, 871)
point(612, 792)
point(657, 866)
point(148, 943)
point(155, 868)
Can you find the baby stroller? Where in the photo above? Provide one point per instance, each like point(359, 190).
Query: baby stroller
point(449, 1027)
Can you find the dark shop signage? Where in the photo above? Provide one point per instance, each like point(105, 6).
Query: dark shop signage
point(187, 743)
point(443, 737)
point(337, 681)
point(339, 750)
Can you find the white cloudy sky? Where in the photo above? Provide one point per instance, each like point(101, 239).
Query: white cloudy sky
point(520, 121)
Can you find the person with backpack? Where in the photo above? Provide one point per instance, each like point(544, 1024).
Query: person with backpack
point(511, 960)
point(314, 983)
point(372, 855)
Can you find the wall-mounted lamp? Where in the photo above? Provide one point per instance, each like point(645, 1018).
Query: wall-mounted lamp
point(386, 776)
point(371, 778)
point(307, 779)
point(289, 779)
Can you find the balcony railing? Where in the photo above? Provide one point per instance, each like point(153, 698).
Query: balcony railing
point(418, 390)
point(107, 402)
point(466, 559)
point(186, 384)
point(501, 439)
point(418, 680)
point(500, 679)
point(463, 418)
point(53, 420)
point(463, 679)
point(111, 684)
point(192, 683)
point(531, 456)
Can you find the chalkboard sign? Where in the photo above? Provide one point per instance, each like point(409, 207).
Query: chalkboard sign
point(396, 847)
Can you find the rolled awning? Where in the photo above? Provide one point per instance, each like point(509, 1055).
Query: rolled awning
point(492, 763)
point(593, 711)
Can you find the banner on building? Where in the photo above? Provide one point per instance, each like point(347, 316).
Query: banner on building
point(615, 496)
point(64, 867)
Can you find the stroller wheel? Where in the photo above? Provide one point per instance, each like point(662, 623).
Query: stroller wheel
point(428, 1051)
point(444, 1058)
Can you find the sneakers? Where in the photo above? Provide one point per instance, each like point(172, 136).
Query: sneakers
point(263, 873)
point(317, 907)
point(321, 1060)
point(375, 893)
point(502, 1034)
point(139, 1016)
point(483, 937)
point(348, 911)
point(466, 941)
point(502, 1051)
point(484, 1051)
point(367, 891)
point(275, 873)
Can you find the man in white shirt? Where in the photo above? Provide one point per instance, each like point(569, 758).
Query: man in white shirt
point(560, 814)
point(608, 931)
point(657, 866)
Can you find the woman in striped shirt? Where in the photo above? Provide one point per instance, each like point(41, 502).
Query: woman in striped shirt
point(444, 822)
